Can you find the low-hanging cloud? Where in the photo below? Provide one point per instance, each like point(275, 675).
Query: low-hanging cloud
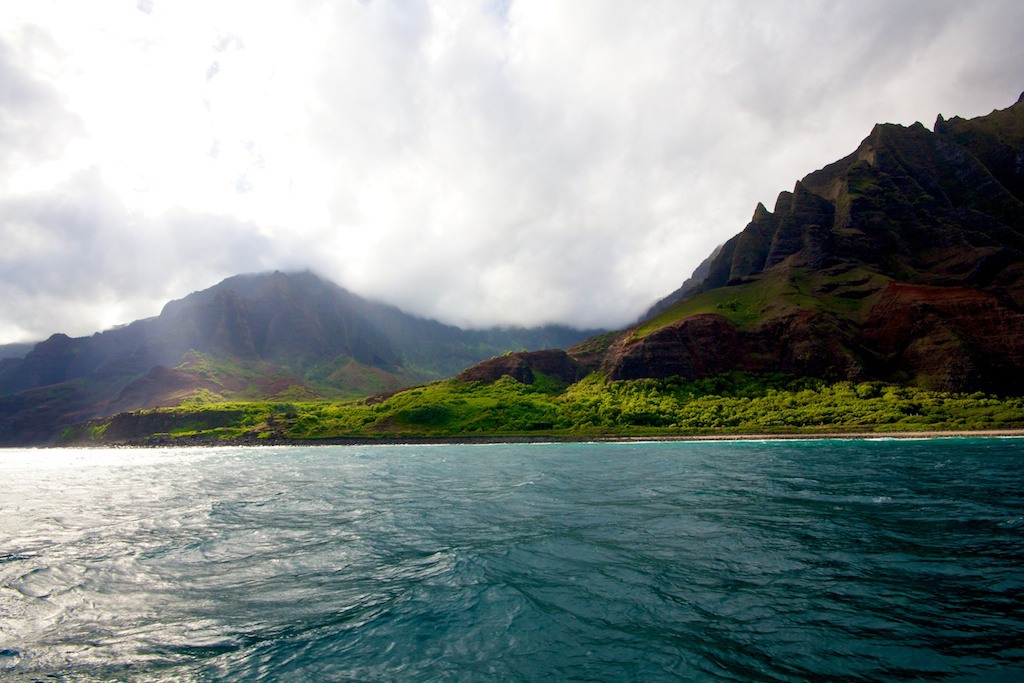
point(480, 162)
point(76, 253)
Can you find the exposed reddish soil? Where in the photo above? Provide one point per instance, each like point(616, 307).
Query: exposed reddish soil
point(952, 336)
point(801, 343)
point(522, 366)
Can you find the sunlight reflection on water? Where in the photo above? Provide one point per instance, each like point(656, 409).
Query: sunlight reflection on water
point(768, 561)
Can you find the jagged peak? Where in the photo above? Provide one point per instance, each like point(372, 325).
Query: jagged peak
point(783, 202)
point(886, 137)
point(802, 193)
point(760, 213)
point(884, 133)
point(1020, 100)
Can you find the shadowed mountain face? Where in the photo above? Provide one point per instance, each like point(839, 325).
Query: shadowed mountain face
point(269, 336)
point(903, 261)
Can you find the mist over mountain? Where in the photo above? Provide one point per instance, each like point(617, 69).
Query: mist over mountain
point(261, 336)
point(15, 350)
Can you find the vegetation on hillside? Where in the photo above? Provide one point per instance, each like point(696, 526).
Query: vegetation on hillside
point(338, 378)
point(735, 403)
point(845, 293)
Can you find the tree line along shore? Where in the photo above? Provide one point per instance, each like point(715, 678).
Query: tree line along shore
point(731, 406)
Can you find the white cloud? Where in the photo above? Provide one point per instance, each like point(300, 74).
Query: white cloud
point(483, 162)
point(77, 259)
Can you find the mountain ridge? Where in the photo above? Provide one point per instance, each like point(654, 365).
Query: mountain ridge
point(903, 261)
point(265, 335)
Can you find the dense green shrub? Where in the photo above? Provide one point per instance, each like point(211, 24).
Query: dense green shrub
point(732, 403)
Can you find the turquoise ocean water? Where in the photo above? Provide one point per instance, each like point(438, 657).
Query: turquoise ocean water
point(779, 561)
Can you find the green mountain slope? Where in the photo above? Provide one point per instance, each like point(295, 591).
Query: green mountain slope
point(272, 336)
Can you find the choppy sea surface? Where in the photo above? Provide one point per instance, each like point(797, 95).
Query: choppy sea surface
point(779, 561)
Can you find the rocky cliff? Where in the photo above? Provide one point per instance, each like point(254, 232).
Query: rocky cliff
point(903, 261)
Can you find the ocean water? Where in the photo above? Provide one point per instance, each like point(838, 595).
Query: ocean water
point(779, 561)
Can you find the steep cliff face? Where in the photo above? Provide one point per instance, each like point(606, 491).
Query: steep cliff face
point(805, 343)
point(909, 204)
point(902, 261)
point(955, 336)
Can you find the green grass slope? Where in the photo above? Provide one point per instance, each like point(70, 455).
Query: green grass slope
point(845, 292)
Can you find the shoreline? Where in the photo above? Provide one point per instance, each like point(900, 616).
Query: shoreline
point(200, 442)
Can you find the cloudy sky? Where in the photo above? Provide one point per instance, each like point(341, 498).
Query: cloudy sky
point(478, 161)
